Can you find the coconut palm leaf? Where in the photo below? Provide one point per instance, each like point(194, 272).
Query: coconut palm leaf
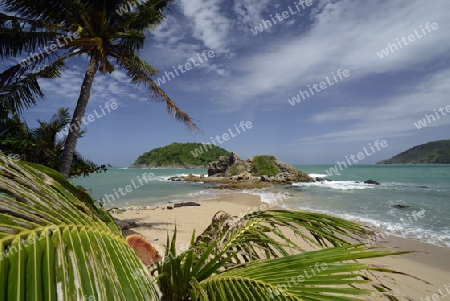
point(261, 234)
point(140, 73)
point(53, 246)
point(19, 91)
point(316, 275)
point(21, 36)
point(328, 274)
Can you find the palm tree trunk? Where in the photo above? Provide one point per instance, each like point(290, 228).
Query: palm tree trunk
point(78, 114)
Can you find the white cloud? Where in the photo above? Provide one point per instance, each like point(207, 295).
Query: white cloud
point(209, 25)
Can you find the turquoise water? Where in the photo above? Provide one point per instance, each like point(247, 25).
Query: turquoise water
point(424, 188)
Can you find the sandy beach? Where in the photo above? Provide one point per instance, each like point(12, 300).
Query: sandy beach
point(429, 263)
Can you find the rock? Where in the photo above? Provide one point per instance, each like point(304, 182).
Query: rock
point(222, 168)
point(115, 210)
point(371, 182)
point(251, 184)
point(320, 179)
point(244, 176)
point(218, 167)
point(186, 204)
point(151, 207)
point(400, 206)
point(126, 225)
point(176, 179)
point(143, 248)
point(265, 179)
point(170, 207)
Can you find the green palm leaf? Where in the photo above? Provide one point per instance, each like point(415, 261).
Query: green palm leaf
point(317, 275)
point(55, 247)
point(210, 271)
point(261, 234)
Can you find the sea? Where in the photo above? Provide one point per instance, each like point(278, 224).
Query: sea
point(423, 191)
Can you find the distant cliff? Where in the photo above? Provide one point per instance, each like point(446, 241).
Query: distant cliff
point(180, 155)
point(436, 152)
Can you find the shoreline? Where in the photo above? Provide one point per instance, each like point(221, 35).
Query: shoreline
point(428, 262)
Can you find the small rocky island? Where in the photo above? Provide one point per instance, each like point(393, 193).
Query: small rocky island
point(231, 172)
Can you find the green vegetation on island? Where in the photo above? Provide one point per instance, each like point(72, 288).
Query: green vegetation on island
point(435, 152)
point(264, 165)
point(181, 155)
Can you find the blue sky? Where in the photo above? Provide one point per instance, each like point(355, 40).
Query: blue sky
point(252, 77)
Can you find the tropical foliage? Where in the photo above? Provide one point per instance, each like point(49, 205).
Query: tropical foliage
point(51, 32)
point(42, 145)
point(264, 165)
point(183, 154)
point(57, 243)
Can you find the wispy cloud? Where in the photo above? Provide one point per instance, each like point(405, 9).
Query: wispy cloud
point(395, 117)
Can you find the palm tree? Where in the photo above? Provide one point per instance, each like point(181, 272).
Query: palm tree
point(53, 31)
point(44, 144)
point(56, 243)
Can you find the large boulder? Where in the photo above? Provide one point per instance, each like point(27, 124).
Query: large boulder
point(228, 166)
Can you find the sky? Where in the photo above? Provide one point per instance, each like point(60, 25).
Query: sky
point(261, 55)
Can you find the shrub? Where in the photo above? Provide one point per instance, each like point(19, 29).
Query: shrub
point(264, 165)
point(234, 170)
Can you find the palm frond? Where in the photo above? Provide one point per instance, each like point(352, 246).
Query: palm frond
point(19, 91)
point(53, 246)
point(140, 73)
point(47, 11)
point(22, 36)
point(149, 14)
point(261, 234)
point(317, 275)
point(327, 274)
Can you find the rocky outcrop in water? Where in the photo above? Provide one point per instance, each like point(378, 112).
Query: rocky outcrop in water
point(258, 172)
